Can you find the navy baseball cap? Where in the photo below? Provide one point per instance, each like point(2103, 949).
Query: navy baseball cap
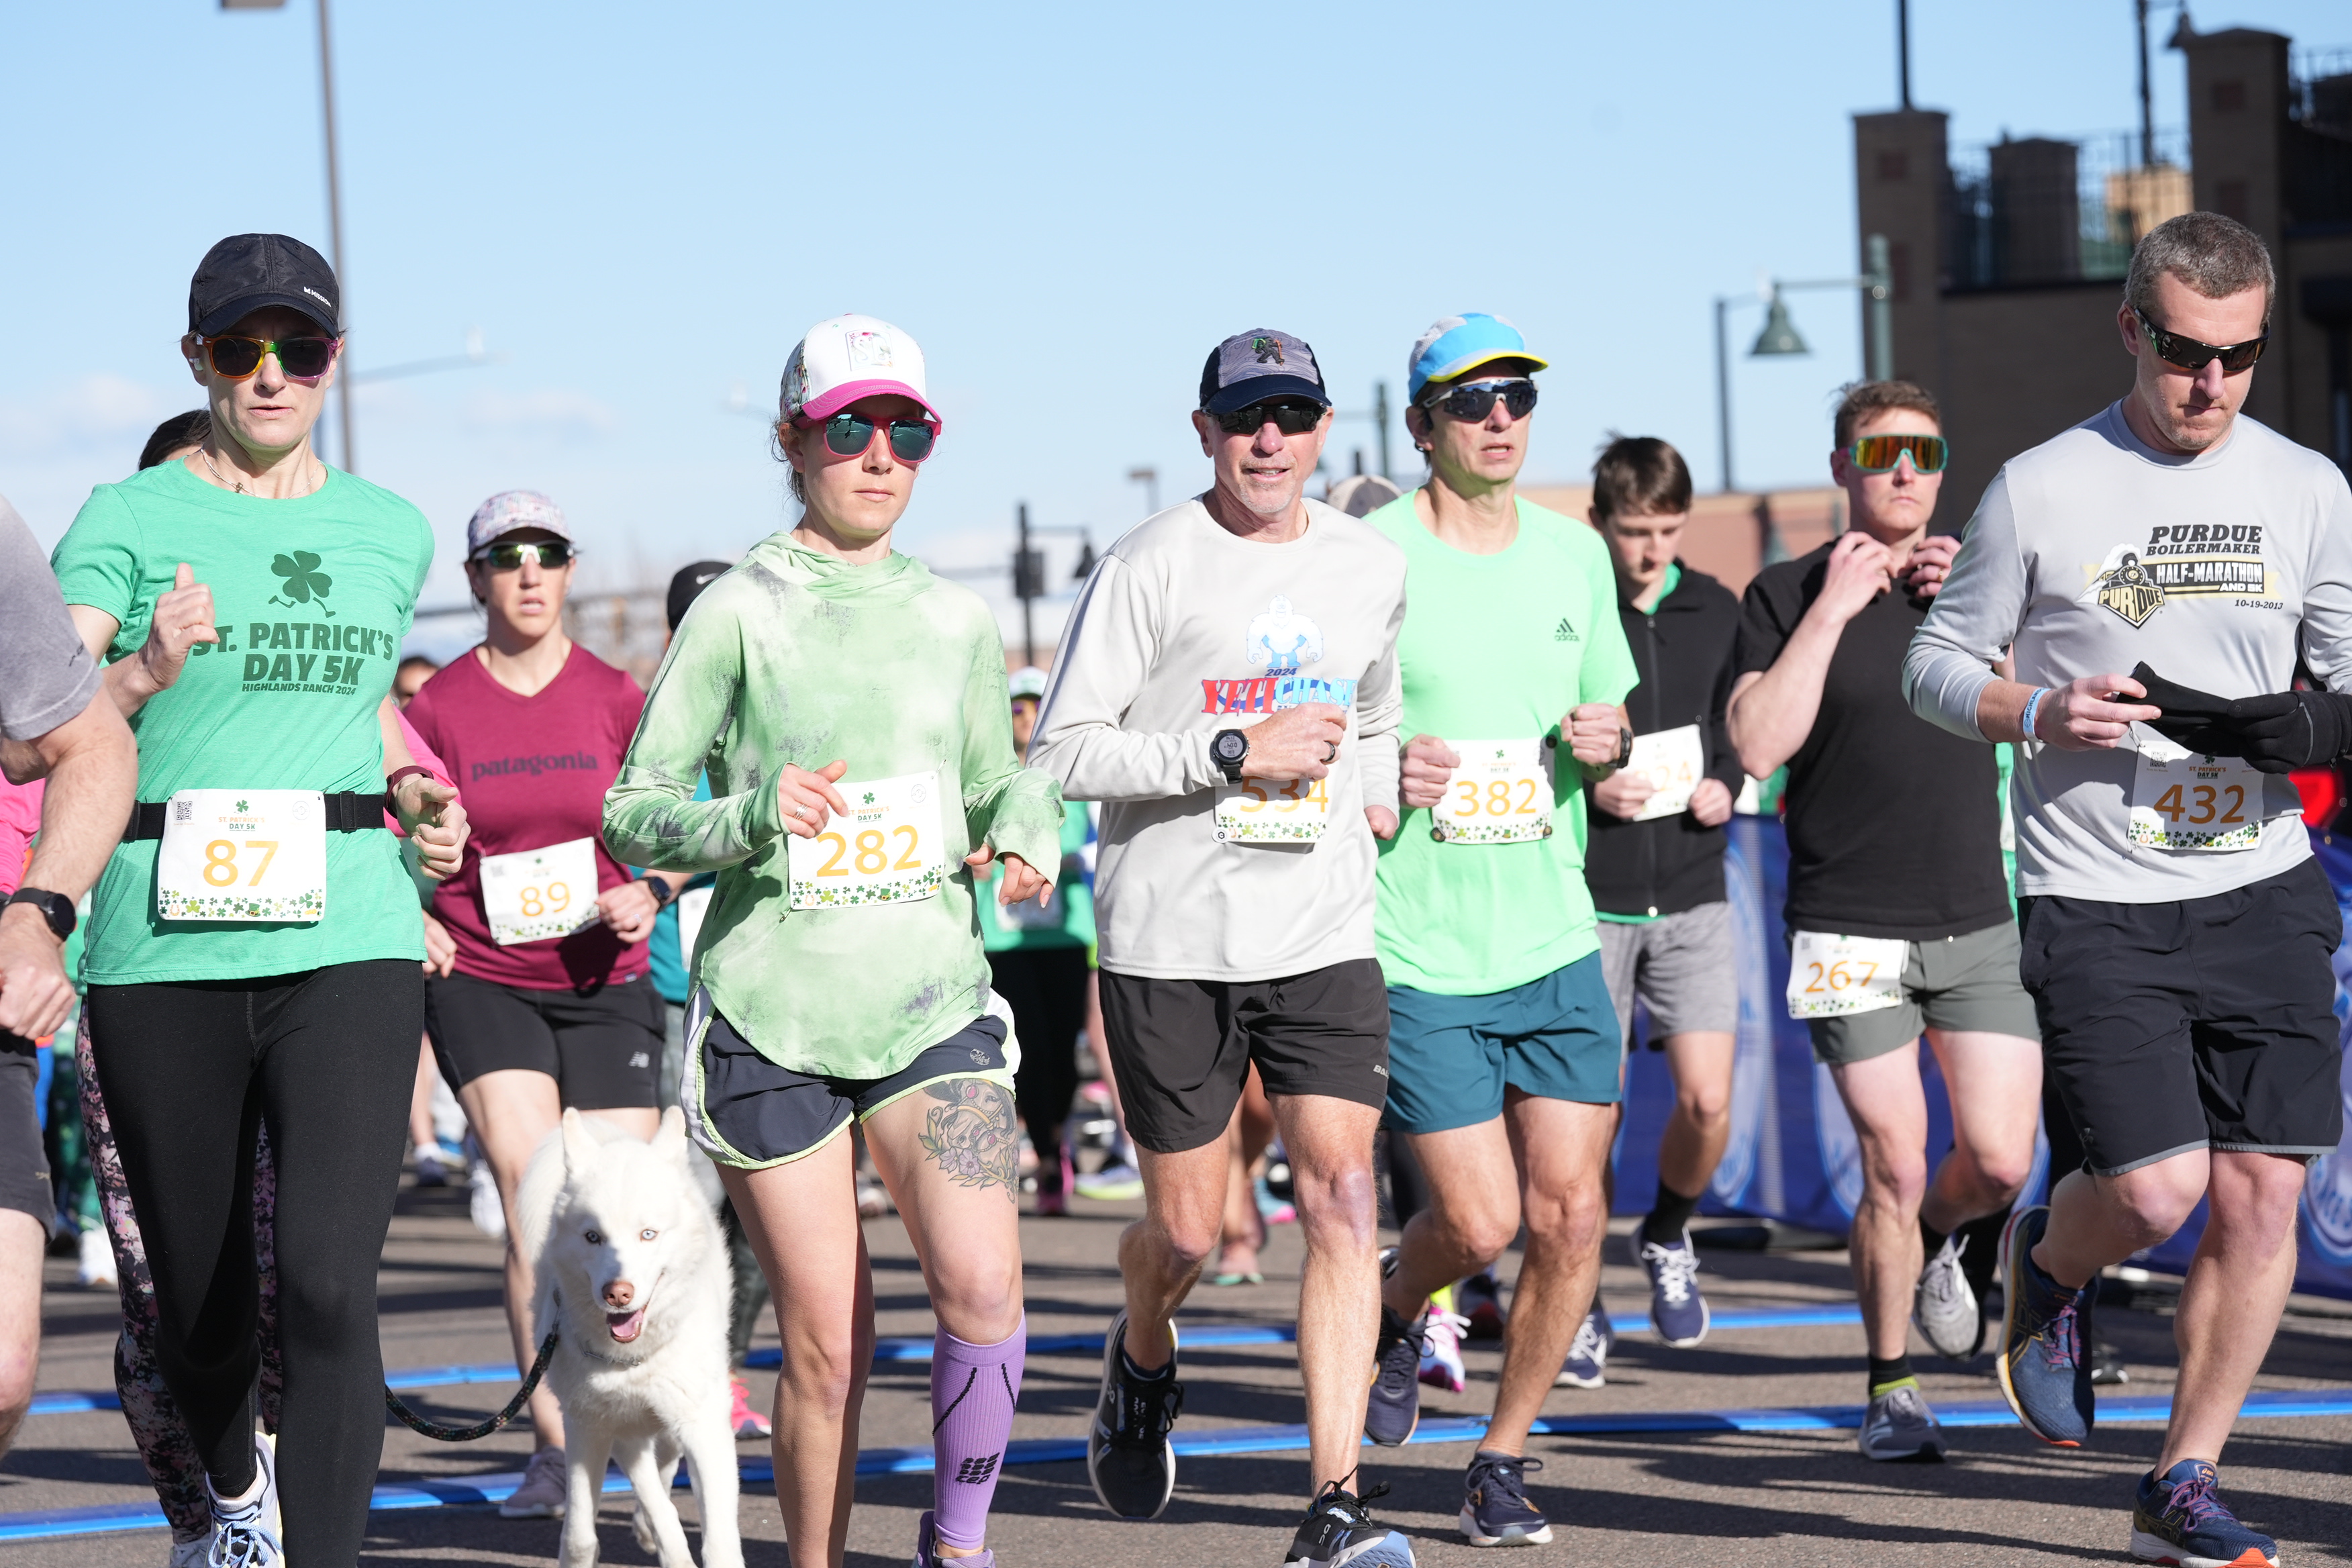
point(1253, 366)
point(248, 272)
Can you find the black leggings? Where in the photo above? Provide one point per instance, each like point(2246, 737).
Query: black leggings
point(189, 1072)
point(1047, 989)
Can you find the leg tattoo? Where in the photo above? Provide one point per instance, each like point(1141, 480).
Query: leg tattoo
point(973, 1135)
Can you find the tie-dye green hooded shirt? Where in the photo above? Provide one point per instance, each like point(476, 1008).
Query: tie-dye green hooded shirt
point(795, 657)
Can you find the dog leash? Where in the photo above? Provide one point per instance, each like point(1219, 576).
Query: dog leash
point(442, 1433)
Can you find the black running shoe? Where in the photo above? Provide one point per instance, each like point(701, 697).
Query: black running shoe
point(1394, 1408)
point(1338, 1531)
point(1495, 1507)
point(1129, 1458)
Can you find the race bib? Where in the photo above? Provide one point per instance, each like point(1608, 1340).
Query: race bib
point(1272, 811)
point(243, 855)
point(889, 849)
point(1500, 795)
point(692, 905)
point(1832, 975)
point(1674, 761)
point(2185, 800)
point(534, 894)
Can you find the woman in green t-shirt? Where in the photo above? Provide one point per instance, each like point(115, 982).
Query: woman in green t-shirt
point(851, 708)
point(254, 948)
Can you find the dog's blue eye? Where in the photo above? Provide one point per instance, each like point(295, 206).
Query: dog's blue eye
point(646, 1235)
point(593, 1238)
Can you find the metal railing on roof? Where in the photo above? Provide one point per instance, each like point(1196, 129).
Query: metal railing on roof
point(2041, 210)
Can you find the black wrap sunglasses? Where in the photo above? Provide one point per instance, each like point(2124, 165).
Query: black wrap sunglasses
point(1290, 419)
point(2188, 353)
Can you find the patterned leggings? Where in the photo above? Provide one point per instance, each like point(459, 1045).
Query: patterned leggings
point(155, 1424)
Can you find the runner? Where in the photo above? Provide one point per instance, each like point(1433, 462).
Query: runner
point(1656, 866)
point(839, 976)
point(2178, 932)
point(1227, 688)
point(1897, 915)
point(1037, 962)
point(53, 727)
point(1503, 1047)
point(234, 984)
point(545, 1005)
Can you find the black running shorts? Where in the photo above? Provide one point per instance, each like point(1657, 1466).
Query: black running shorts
point(24, 1167)
point(2207, 1023)
point(1181, 1048)
point(602, 1047)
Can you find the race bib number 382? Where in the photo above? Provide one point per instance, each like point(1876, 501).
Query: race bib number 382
point(243, 855)
point(1500, 795)
point(889, 849)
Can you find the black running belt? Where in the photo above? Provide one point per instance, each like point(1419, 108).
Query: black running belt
point(347, 811)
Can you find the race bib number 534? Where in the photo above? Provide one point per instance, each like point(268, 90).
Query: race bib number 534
point(888, 851)
point(243, 855)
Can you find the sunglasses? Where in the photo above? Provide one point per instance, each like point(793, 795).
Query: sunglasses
point(1879, 454)
point(304, 359)
point(1472, 402)
point(1290, 419)
point(2188, 353)
point(848, 435)
point(547, 553)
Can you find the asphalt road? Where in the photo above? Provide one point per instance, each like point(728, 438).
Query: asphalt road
point(1707, 1500)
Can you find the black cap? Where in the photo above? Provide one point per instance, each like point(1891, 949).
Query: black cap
point(249, 272)
point(689, 584)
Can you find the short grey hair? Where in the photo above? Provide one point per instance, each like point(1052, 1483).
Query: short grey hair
point(2215, 255)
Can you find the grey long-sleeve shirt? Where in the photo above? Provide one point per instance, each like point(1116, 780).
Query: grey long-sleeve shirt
point(1184, 630)
point(2093, 552)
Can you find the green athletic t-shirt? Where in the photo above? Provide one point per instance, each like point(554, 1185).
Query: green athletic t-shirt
point(1497, 648)
point(311, 597)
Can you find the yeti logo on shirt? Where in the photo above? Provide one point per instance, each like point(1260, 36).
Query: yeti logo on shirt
point(1282, 639)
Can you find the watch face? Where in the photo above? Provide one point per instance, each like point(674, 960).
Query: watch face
point(1230, 746)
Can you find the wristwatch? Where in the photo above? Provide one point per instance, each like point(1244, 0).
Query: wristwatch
point(658, 887)
point(1227, 748)
point(1624, 747)
point(56, 909)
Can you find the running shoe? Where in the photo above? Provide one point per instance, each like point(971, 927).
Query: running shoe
point(1114, 1183)
point(430, 1172)
point(1479, 1298)
point(1054, 1186)
point(1588, 1356)
point(248, 1534)
point(1495, 1507)
point(2177, 1519)
point(1273, 1210)
point(1339, 1530)
point(97, 1264)
point(2107, 1369)
point(1441, 1360)
point(482, 1202)
point(927, 1542)
point(1899, 1426)
point(873, 1198)
point(744, 1416)
point(192, 1553)
point(544, 1487)
point(2045, 1374)
point(1394, 1408)
point(1129, 1458)
point(1678, 1312)
point(1944, 1306)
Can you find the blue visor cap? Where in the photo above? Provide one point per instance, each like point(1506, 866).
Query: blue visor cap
point(1254, 366)
point(1456, 345)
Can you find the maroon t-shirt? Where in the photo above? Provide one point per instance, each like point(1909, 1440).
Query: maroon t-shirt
point(533, 772)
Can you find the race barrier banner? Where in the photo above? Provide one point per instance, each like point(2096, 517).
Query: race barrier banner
point(1792, 1155)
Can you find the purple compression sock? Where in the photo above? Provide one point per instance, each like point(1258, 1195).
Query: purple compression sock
point(974, 1388)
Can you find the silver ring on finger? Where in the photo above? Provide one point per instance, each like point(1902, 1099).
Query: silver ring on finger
point(1331, 756)
point(805, 812)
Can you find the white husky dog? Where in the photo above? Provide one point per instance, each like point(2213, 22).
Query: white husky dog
point(633, 1274)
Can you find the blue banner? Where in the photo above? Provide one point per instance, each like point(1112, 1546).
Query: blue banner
point(1792, 1155)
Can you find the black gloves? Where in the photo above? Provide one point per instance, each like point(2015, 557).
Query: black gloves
point(2277, 733)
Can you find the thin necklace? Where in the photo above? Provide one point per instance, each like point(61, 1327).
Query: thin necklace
point(236, 485)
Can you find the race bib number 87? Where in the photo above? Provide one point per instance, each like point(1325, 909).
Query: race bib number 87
point(888, 851)
point(243, 855)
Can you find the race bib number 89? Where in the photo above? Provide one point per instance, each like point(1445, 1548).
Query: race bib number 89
point(888, 851)
point(243, 855)
point(1832, 975)
point(532, 895)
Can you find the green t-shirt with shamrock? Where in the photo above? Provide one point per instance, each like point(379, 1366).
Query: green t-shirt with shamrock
point(311, 597)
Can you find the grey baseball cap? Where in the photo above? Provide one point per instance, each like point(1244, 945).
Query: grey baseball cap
point(1253, 366)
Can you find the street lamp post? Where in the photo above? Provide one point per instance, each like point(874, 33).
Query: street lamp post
point(1780, 336)
point(1029, 569)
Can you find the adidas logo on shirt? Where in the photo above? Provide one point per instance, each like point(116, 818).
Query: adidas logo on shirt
point(1564, 632)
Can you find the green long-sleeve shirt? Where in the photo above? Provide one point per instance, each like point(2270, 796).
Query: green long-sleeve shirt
point(795, 657)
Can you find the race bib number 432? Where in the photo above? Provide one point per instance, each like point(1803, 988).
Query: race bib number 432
point(2184, 800)
point(1832, 975)
point(1500, 795)
point(889, 849)
point(243, 855)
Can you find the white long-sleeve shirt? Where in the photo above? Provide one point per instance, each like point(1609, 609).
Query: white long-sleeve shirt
point(2093, 552)
point(1184, 630)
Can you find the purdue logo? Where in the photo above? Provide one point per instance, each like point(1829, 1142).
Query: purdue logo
point(2127, 590)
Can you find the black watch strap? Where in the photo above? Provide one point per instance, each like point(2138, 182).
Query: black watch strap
point(56, 909)
point(1624, 746)
point(655, 886)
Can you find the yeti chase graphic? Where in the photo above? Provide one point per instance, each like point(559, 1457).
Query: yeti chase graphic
point(2194, 561)
point(1282, 641)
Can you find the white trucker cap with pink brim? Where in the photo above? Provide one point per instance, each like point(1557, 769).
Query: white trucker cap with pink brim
point(845, 358)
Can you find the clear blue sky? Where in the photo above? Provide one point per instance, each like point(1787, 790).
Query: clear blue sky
point(642, 207)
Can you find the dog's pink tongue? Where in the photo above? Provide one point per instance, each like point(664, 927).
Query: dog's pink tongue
point(625, 1326)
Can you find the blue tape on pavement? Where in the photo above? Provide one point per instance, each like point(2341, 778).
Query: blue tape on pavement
point(51, 1524)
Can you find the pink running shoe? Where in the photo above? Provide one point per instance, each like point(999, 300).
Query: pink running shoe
point(1441, 1359)
point(747, 1421)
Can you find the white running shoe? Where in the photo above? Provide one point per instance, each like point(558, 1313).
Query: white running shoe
point(489, 1214)
point(1899, 1426)
point(97, 1258)
point(546, 1484)
point(1441, 1360)
point(1944, 1307)
point(191, 1553)
point(246, 1534)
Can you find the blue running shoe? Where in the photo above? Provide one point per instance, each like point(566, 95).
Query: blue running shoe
point(1338, 1532)
point(1393, 1409)
point(1495, 1507)
point(1678, 1312)
point(2177, 1519)
point(2044, 1373)
point(1587, 1353)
